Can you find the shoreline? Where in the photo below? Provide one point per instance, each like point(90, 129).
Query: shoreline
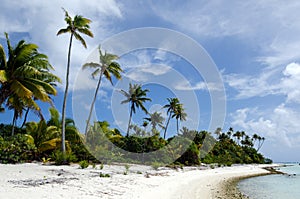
point(35, 180)
point(230, 189)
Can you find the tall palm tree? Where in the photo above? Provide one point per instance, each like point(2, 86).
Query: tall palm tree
point(171, 109)
point(22, 78)
point(107, 67)
point(136, 96)
point(156, 120)
point(74, 25)
point(180, 115)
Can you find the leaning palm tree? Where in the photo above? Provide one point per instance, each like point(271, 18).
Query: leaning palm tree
point(22, 78)
point(171, 109)
point(136, 96)
point(75, 25)
point(107, 67)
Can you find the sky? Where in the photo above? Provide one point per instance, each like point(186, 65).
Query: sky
point(232, 64)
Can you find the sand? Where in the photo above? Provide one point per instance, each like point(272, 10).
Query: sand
point(34, 180)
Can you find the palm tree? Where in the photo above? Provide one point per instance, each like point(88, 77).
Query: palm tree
point(179, 114)
point(106, 67)
point(238, 136)
point(136, 96)
point(23, 78)
point(171, 109)
point(78, 24)
point(156, 120)
point(261, 141)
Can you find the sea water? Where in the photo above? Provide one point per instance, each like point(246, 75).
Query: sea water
point(274, 186)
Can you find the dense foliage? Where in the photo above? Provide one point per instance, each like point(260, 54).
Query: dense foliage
point(25, 77)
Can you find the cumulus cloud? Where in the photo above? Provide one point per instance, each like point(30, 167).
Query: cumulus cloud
point(41, 21)
point(270, 27)
point(267, 83)
point(280, 124)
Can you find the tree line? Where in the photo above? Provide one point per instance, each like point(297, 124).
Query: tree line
point(26, 78)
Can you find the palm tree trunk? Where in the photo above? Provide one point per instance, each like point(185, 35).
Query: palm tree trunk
point(13, 124)
point(177, 124)
point(93, 103)
point(63, 128)
point(127, 134)
point(25, 117)
point(167, 125)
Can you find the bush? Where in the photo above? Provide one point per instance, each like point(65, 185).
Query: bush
point(62, 159)
point(104, 175)
point(18, 148)
point(155, 165)
point(84, 164)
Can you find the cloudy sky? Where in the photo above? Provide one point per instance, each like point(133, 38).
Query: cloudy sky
point(254, 46)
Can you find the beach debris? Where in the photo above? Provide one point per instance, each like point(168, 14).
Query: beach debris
point(39, 182)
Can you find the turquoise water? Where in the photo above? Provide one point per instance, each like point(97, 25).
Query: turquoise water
point(273, 186)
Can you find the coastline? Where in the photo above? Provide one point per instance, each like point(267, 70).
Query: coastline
point(44, 181)
point(230, 190)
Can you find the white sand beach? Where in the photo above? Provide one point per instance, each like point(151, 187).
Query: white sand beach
point(34, 180)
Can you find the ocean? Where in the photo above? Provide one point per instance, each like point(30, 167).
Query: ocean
point(274, 186)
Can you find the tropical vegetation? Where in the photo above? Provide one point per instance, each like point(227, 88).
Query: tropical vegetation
point(26, 81)
point(75, 25)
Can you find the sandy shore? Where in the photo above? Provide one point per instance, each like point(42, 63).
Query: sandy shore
point(35, 180)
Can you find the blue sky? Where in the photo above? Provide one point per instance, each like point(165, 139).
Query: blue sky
point(254, 45)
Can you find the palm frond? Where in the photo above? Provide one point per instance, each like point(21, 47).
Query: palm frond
point(91, 65)
point(79, 38)
point(38, 91)
point(2, 58)
point(3, 77)
point(64, 30)
point(108, 76)
point(96, 72)
point(20, 90)
point(86, 31)
point(46, 86)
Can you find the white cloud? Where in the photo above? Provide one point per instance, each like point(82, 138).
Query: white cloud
point(280, 125)
point(146, 72)
point(43, 20)
point(197, 86)
point(290, 82)
point(267, 83)
point(271, 27)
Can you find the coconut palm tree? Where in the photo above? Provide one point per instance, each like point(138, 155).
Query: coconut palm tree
point(171, 109)
point(136, 96)
point(261, 141)
point(107, 67)
point(238, 136)
point(179, 114)
point(156, 120)
point(75, 25)
point(23, 78)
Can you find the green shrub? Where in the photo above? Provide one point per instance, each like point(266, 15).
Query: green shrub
point(84, 164)
point(155, 165)
point(126, 169)
point(45, 160)
point(17, 148)
point(101, 166)
point(62, 159)
point(94, 165)
point(102, 175)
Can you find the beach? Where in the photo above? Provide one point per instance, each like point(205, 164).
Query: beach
point(34, 180)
